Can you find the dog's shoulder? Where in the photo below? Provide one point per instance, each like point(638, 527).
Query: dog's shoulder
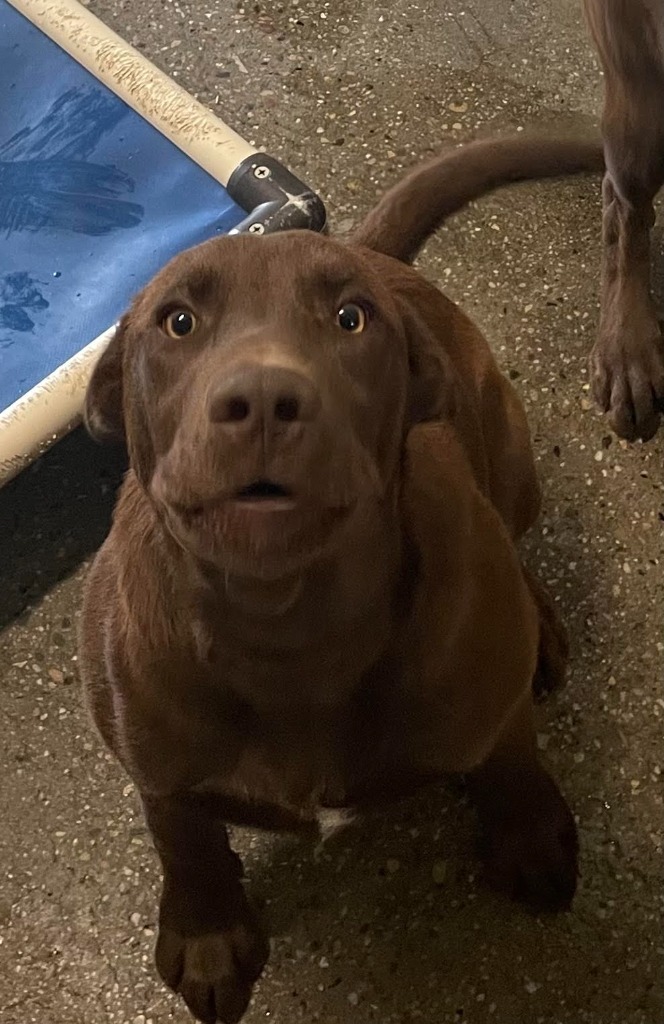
point(128, 597)
point(470, 640)
point(439, 487)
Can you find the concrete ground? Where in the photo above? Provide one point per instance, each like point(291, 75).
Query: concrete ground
point(392, 923)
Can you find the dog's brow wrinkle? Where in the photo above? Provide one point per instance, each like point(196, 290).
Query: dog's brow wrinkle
point(337, 280)
point(324, 278)
point(200, 285)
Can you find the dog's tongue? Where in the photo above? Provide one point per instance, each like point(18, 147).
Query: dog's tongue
point(265, 598)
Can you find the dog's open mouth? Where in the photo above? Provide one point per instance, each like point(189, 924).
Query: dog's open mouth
point(261, 528)
point(264, 496)
point(264, 490)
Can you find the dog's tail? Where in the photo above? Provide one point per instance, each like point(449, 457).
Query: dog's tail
point(410, 211)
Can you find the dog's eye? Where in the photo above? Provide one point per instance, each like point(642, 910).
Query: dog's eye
point(352, 318)
point(179, 323)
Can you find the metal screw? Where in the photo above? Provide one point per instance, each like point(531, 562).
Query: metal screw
point(261, 172)
point(256, 229)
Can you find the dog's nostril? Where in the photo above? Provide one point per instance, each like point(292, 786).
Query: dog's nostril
point(287, 409)
point(268, 398)
point(237, 410)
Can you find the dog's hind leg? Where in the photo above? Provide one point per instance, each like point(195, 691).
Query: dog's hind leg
point(553, 644)
point(627, 361)
point(529, 840)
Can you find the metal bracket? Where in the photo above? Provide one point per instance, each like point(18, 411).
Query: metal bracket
point(274, 199)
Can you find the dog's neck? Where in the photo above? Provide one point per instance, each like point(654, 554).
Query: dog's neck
point(264, 598)
point(331, 620)
point(305, 639)
point(340, 585)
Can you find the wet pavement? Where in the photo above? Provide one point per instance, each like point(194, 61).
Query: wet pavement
point(391, 922)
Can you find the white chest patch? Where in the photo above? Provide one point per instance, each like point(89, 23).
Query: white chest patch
point(332, 820)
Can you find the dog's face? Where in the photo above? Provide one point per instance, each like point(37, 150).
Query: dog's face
point(265, 386)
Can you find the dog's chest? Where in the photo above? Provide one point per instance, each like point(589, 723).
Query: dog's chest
point(307, 762)
point(319, 722)
point(315, 657)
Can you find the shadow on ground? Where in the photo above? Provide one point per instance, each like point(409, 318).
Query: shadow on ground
point(53, 516)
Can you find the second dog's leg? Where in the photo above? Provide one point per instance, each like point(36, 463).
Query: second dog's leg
point(627, 362)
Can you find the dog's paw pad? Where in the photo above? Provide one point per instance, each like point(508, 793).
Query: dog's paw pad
point(214, 973)
point(535, 860)
point(627, 378)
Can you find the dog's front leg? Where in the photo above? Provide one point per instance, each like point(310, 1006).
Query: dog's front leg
point(627, 361)
point(210, 948)
point(529, 837)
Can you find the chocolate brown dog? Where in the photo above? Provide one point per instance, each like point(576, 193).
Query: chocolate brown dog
point(310, 597)
point(627, 362)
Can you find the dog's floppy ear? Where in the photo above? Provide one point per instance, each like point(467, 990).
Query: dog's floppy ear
point(103, 411)
point(433, 380)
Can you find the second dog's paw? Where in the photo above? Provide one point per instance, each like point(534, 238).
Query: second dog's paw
point(627, 377)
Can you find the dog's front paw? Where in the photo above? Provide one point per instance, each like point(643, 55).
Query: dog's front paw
point(627, 375)
point(531, 852)
point(214, 973)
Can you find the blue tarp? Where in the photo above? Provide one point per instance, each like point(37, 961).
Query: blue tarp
point(93, 200)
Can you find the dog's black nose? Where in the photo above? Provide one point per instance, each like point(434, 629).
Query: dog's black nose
point(265, 398)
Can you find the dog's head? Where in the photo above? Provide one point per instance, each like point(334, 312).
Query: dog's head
point(265, 387)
